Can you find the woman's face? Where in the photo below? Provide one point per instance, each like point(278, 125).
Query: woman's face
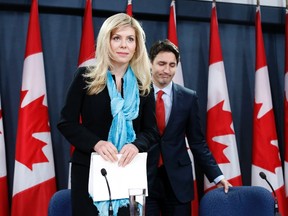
point(123, 45)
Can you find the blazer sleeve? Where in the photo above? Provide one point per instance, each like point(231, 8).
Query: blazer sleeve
point(69, 124)
point(198, 144)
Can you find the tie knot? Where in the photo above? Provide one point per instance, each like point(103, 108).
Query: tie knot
point(160, 93)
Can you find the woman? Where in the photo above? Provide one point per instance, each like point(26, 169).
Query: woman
point(116, 105)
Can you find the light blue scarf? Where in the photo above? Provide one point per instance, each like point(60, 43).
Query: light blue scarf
point(123, 110)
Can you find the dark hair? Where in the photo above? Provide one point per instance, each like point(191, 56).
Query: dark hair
point(163, 46)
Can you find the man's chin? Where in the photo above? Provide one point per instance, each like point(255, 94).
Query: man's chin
point(165, 81)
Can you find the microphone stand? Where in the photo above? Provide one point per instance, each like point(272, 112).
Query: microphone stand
point(110, 210)
point(276, 208)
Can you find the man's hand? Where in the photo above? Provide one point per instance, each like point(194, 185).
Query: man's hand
point(224, 183)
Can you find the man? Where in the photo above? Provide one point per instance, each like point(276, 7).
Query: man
point(170, 178)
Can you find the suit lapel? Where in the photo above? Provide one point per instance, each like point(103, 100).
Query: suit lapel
point(177, 94)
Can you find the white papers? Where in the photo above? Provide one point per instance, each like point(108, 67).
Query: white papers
point(120, 179)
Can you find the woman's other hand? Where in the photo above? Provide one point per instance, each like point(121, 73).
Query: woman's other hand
point(129, 151)
point(106, 150)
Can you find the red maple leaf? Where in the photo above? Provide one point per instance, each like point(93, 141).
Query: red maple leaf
point(218, 124)
point(33, 118)
point(265, 154)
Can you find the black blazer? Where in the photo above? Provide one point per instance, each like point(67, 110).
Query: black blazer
point(184, 120)
point(96, 119)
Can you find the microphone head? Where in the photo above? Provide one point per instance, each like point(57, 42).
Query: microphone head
point(262, 175)
point(103, 172)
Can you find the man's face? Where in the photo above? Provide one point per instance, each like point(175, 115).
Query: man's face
point(163, 69)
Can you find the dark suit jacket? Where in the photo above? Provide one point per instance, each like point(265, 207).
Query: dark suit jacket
point(184, 120)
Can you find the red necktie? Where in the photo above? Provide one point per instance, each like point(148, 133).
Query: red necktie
point(160, 116)
point(160, 112)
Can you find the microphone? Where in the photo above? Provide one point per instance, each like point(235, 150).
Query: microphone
point(110, 210)
point(276, 209)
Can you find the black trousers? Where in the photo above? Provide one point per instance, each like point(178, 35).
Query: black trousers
point(163, 200)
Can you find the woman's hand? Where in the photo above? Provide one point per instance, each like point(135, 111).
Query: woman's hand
point(129, 151)
point(106, 150)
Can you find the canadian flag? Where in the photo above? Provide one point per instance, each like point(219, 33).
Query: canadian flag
point(4, 209)
point(87, 46)
point(34, 175)
point(86, 54)
point(220, 137)
point(286, 109)
point(265, 151)
point(178, 78)
point(172, 36)
point(129, 8)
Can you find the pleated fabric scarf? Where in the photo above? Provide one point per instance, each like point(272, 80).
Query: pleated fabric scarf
point(123, 110)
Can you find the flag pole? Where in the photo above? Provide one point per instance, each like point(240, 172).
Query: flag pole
point(258, 2)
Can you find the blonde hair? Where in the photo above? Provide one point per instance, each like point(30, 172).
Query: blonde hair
point(139, 63)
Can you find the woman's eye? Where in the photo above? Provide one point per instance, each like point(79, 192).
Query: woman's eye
point(131, 39)
point(116, 38)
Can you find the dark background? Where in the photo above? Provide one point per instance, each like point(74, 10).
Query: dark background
point(61, 27)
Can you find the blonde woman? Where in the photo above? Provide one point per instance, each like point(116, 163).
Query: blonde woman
point(116, 105)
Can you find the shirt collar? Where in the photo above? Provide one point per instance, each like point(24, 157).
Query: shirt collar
point(167, 89)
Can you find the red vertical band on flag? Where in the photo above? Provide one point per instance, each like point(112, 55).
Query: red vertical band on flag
point(33, 41)
point(215, 44)
point(129, 8)
point(260, 50)
point(34, 174)
point(87, 47)
point(172, 36)
point(172, 29)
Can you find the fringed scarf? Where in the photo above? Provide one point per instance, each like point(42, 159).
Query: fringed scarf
point(123, 110)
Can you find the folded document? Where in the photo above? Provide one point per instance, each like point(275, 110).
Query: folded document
point(120, 179)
